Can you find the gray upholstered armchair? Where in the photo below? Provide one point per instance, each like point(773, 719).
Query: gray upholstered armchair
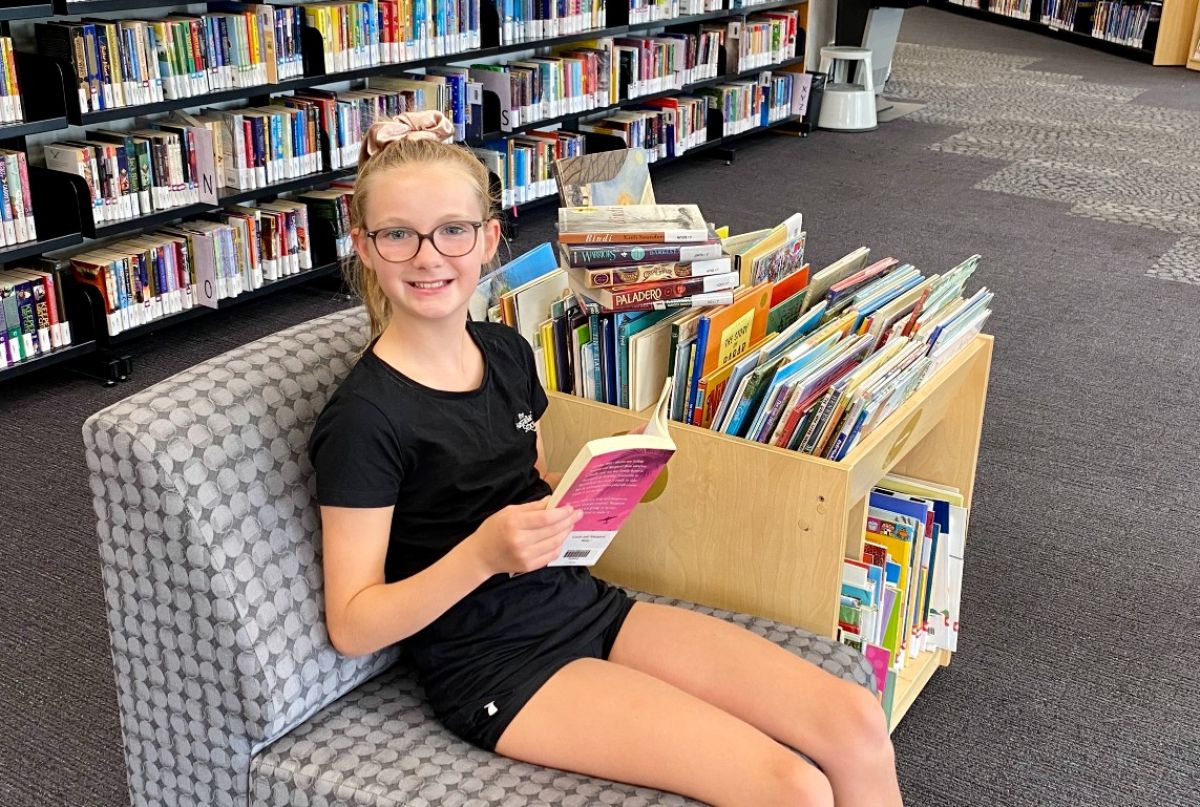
point(229, 691)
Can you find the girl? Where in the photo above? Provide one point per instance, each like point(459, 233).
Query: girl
point(433, 488)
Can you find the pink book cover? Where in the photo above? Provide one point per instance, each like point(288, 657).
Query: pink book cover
point(610, 486)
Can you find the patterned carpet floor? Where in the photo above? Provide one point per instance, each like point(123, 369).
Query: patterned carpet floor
point(1073, 173)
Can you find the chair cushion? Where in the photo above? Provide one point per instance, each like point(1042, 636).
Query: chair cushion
point(381, 745)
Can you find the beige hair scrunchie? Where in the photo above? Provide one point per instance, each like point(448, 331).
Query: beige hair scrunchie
point(423, 125)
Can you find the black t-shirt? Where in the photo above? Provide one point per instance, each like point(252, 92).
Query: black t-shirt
point(445, 460)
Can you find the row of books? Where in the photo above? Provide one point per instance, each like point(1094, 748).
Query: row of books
point(529, 21)
point(642, 11)
point(903, 596)
point(199, 262)
point(12, 110)
point(762, 40)
point(134, 173)
point(1124, 23)
point(16, 199)
point(119, 63)
point(662, 127)
point(332, 206)
point(1017, 9)
point(524, 163)
point(1059, 13)
point(357, 35)
point(33, 315)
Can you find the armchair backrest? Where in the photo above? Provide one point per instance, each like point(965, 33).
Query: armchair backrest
point(210, 549)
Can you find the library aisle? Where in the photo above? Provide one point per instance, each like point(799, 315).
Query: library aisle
point(1073, 172)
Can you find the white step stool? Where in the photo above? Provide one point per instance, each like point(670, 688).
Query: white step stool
point(847, 106)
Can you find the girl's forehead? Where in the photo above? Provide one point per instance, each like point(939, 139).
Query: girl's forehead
point(423, 188)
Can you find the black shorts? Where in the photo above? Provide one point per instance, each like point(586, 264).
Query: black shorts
point(483, 660)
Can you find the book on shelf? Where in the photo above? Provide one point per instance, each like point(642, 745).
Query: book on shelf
point(902, 597)
point(607, 479)
point(33, 314)
point(12, 109)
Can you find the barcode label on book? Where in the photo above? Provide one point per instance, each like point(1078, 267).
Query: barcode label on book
point(576, 554)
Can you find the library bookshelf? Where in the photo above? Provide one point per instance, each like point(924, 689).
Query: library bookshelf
point(1166, 41)
point(762, 530)
point(62, 210)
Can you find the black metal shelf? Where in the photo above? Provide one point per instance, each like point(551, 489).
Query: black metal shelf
point(233, 196)
point(641, 99)
point(31, 12)
point(712, 143)
point(1142, 54)
point(26, 250)
point(142, 223)
point(318, 76)
point(82, 7)
point(223, 305)
point(9, 131)
point(47, 360)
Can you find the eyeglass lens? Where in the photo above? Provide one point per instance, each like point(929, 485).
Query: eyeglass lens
point(453, 239)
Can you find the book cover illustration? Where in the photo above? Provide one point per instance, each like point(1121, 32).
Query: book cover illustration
point(606, 481)
point(620, 177)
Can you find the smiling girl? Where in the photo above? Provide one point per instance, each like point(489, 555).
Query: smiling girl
point(433, 490)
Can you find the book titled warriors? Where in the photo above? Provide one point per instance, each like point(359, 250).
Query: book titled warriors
point(607, 479)
point(632, 255)
point(632, 224)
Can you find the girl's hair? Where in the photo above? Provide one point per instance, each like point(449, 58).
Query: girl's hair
point(403, 153)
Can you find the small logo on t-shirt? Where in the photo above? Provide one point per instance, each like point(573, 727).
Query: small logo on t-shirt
point(525, 422)
point(491, 709)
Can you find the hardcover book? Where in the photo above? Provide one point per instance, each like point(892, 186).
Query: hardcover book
point(607, 479)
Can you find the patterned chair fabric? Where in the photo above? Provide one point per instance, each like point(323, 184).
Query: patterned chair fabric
point(210, 548)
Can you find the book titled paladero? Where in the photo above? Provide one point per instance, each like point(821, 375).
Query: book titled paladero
point(607, 479)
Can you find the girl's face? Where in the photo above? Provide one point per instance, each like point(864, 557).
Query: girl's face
point(427, 199)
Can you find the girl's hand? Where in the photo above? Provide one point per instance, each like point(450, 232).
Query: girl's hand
point(522, 537)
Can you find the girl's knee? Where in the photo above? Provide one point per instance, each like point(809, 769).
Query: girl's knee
point(866, 728)
point(797, 783)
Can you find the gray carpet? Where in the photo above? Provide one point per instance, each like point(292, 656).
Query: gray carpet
point(1077, 674)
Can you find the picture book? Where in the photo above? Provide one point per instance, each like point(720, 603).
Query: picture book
point(619, 177)
point(607, 479)
point(840, 269)
point(529, 266)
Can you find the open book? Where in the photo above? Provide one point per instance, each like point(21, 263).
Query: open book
point(609, 476)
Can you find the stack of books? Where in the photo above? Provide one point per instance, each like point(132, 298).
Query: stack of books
point(644, 257)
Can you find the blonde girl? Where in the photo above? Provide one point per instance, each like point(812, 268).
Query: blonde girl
point(433, 486)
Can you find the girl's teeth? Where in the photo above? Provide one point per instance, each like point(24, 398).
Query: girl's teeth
point(436, 285)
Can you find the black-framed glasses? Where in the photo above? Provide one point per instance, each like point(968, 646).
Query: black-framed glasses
point(453, 239)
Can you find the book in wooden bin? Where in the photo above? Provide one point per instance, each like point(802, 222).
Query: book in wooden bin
point(632, 224)
point(618, 177)
point(607, 479)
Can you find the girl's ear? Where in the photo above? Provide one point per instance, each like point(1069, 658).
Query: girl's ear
point(361, 246)
point(491, 239)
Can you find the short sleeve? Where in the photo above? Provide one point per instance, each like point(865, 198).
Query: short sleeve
point(356, 455)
